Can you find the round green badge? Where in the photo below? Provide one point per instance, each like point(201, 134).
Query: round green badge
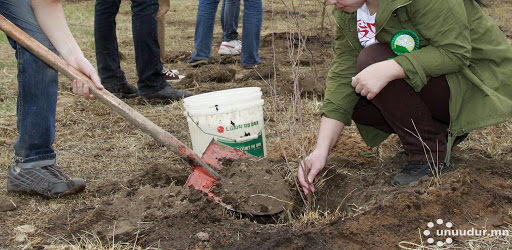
point(404, 41)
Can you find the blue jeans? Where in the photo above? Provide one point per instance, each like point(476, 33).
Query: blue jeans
point(37, 91)
point(251, 31)
point(145, 42)
point(229, 14)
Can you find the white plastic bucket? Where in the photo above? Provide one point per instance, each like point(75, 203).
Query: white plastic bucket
point(233, 117)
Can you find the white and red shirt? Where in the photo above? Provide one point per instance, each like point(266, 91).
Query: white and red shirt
point(366, 26)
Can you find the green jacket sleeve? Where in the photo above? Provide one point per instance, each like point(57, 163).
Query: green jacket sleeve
point(340, 97)
point(449, 50)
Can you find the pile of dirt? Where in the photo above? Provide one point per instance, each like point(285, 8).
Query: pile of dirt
point(156, 210)
point(177, 56)
point(212, 73)
point(378, 215)
point(253, 186)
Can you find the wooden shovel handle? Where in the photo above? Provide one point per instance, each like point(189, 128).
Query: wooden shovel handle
point(161, 136)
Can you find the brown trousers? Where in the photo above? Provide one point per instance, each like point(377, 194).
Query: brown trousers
point(397, 105)
point(165, 5)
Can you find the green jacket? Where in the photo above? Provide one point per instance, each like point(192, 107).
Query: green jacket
point(457, 40)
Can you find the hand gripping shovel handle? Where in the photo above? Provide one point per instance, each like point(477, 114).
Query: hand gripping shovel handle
point(161, 136)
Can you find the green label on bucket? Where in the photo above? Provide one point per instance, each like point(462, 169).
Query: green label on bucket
point(253, 147)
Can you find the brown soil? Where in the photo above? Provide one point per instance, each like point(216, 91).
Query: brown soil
point(6, 205)
point(156, 210)
point(253, 187)
point(136, 192)
point(219, 74)
point(380, 215)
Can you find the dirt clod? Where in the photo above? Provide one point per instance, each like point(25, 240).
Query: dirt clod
point(253, 187)
point(6, 205)
point(211, 73)
point(203, 236)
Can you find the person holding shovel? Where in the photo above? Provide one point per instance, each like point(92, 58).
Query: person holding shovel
point(34, 169)
point(428, 70)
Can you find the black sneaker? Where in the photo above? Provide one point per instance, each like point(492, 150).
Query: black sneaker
point(121, 90)
point(459, 139)
point(48, 181)
point(415, 170)
point(167, 95)
point(197, 63)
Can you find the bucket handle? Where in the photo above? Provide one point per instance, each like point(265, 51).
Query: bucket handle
point(236, 140)
point(247, 138)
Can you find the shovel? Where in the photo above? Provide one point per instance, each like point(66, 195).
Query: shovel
point(203, 176)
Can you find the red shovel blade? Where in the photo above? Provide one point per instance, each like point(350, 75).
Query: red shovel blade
point(200, 179)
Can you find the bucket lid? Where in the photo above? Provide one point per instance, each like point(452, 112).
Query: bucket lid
point(227, 96)
point(208, 110)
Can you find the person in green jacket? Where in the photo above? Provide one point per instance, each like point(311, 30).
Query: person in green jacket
point(428, 70)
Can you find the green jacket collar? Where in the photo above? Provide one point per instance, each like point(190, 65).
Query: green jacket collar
point(386, 9)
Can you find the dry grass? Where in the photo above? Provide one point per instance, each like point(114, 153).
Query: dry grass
point(85, 241)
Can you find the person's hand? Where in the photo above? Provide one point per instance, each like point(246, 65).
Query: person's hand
point(50, 17)
point(82, 88)
point(375, 77)
point(311, 166)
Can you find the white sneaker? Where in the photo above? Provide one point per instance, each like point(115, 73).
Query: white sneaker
point(171, 76)
point(233, 47)
point(175, 71)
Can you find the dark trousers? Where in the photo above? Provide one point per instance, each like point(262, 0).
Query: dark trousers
point(397, 106)
point(145, 42)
